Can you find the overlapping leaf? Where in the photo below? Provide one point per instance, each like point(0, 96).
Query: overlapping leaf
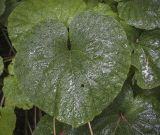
point(7, 121)
point(143, 14)
point(73, 84)
point(147, 60)
point(129, 116)
point(104, 9)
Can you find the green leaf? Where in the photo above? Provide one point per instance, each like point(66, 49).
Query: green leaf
point(105, 10)
point(1, 65)
point(143, 14)
point(7, 121)
point(28, 13)
point(14, 95)
point(45, 126)
point(129, 116)
point(147, 60)
point(2, 6)
point(72, 84)
point(132, 34)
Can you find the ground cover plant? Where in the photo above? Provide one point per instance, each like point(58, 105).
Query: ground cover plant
point(80, 67)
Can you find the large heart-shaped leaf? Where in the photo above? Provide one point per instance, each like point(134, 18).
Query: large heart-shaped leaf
point(75, 82)
point(143, 14)
point(2, 6)
point(7, 120)
point(147, 60)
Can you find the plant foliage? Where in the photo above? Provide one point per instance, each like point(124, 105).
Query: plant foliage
point(89, 65)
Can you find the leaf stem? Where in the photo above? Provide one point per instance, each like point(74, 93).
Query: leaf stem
point(26, 123)
point(54, 126)
point(35, 117)
point(90, 128)
point(2, 101)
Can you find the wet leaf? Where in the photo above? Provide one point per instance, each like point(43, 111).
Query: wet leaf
point(74, 83)
point(143, 14)
point(147, 60)
point(125, 116)
point(7, 121)
point(128, 115)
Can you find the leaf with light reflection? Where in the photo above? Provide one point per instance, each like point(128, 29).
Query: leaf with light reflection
point(127, 115)
point(143, 14)
point(73, 77)
point(147, 60)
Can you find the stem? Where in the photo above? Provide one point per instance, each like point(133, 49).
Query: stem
point(54, 126)
point(26, 122)
point(40, 114)
point(30, 129)
point(90, 128)
point(2, 101)
point(35, 117)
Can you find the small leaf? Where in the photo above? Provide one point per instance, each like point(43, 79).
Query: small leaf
point(143, 14)
point(14, 96)
point(147, 60)
point(7, 121)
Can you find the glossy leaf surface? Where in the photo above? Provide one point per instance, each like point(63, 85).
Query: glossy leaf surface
point(147, 60)
point(69, 78)
point(143, 14)
point(125, 116)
